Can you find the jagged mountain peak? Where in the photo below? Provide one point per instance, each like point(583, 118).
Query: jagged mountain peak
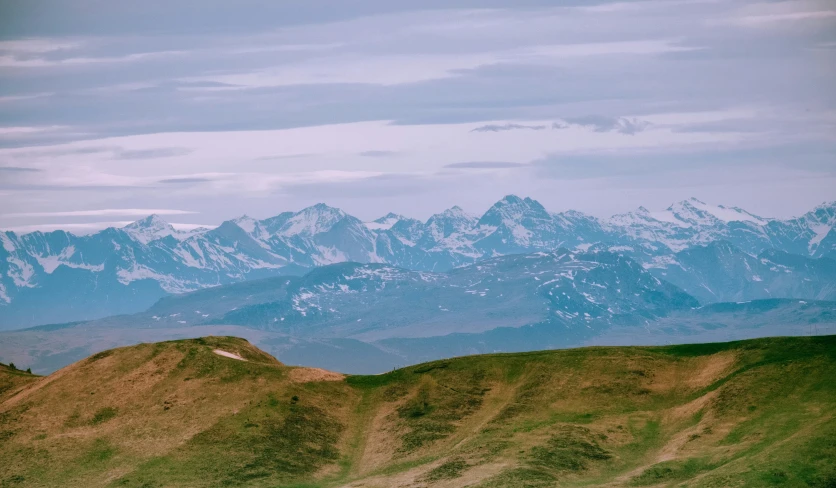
point(454, 211)
point(825, 214)
point(251, 226)
point(151, 221)
point(453, 221)
point(386, 222)
point(149, 229)
point(574, 214)
point(697, 212)
point(515, 200)
point(312, 220)
point(512, 206)
point(389, 217)
point(510, 199)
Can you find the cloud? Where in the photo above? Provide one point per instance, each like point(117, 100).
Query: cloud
point(602, 123)
point(18, 169)
point(598, 123)
point(484, 165)
point(184, 180)
point(23, 130)
point(378, 154)
point(378, 186)
point(11, 61)
point(91, 227)
point(121, 212)
point(37, 46)
point(161, 152)
point(306, 78)
point(283, 156)
point(506, 127)
point(78, 228)
point(766, 19)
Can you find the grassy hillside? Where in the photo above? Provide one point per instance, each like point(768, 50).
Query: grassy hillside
point(12, 380)
point(750, 413)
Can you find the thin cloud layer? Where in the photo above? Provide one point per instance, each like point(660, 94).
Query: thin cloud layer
point(265, 106)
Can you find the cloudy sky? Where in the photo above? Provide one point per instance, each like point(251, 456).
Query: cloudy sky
point(203, 111)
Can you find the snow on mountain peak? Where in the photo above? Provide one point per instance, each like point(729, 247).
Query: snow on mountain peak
point(391, 216)
point(152, 221)
point(454, 220)
point(149, 229)
point(823, 214)
point(697, 212)
point(452, 214)
point(510, 199)
point(512, 205)
point(454, 211)
point(386, 222)
point(522, 218)
point(247, 223)
point(312, 220)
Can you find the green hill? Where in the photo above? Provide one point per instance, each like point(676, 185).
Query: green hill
point(750, 413)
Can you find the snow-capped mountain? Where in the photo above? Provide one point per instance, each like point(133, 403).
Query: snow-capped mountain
point(153, 227)
point(58, 276)
point(576, 291)
point(385, 222)
point(719, 272)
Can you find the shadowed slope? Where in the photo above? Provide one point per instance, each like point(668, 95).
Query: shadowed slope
point(750, 413)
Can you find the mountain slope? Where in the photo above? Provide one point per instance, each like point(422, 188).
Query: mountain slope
point(719, 272)
point(12, 380)
point(578, 292)
point(181, 414)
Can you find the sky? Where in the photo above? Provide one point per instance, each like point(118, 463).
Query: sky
point(205, 111)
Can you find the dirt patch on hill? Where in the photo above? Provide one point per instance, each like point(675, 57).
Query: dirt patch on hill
point(308, 375)
point(711, 369)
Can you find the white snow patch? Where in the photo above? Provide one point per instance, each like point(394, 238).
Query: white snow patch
point(385, 224)
point(329, 255)
point(669, 217)
point(820, 230)
point(3, 295)
point(230, 355)
point(50, 263)
point(24, 274)
point(167, 283)
point(246, 223)
point(8, 245)
point(661, 262)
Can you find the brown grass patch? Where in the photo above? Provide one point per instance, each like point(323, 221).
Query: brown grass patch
point(308, 375)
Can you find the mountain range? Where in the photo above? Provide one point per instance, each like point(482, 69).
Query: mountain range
point(58, 276)
point(368, 318)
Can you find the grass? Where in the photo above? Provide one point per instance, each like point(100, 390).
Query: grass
point(522, 478)
point(671, 471)
point(103, 415)
point(450, 470)
point(573, 448)
point(748, 413)
point(431, 413)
